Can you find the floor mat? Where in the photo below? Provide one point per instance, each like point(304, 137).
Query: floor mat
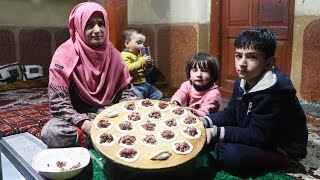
point(99, 172)
point(98, 163)
point(270, 176)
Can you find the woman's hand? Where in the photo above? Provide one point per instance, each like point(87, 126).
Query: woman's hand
point(85, 126)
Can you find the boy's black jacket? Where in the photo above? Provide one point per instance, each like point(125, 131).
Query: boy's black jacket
point(270, 118)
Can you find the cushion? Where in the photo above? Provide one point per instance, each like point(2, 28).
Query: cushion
point(32, 72)
point(10, 73)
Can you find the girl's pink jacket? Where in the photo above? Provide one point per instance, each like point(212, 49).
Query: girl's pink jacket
point(202, 102)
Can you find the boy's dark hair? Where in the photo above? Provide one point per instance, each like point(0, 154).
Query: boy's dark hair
point(126, 34)
point(204, 60)
point(258, 39)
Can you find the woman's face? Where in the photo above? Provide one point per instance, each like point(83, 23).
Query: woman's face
point(95, 30)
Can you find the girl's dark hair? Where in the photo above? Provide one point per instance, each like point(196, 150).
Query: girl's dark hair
point(204, 60)
point(258, 39)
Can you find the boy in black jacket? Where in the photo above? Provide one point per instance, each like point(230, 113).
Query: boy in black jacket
point(263, 127)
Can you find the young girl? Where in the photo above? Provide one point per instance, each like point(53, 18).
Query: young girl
point(200, 93)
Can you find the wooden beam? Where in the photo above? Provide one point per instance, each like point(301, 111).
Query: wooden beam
point(118, 20)
point(215, 31)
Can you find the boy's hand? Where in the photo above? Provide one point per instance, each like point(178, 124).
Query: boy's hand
point(148, 60)
point(205, 122)
point(211, 133)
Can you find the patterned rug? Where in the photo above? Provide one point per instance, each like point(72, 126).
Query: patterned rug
point(23, 97)
point(312, 162)
point(26, 110)
point(29, 118)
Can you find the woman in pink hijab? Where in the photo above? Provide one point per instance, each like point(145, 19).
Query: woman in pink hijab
point(86, 75)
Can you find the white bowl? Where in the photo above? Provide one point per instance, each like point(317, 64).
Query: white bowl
point(45, 162)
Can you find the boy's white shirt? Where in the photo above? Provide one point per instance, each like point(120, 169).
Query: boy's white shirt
point(267, 80)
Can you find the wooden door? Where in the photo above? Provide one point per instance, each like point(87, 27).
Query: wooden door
point(236, 16)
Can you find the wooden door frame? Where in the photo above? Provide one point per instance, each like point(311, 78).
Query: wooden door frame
point(118, 20)
point(290, 35)
point(215, 32)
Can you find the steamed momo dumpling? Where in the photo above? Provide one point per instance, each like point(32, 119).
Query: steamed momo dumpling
point(162, 155)
point(112, 114)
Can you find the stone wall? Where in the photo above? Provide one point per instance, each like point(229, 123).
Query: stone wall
point(30, 45)
point(310, 80)
point(303, 73)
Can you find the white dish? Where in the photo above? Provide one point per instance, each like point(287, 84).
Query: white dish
point(45, 162)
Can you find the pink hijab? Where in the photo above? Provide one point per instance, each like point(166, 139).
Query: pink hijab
point(98, 74)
